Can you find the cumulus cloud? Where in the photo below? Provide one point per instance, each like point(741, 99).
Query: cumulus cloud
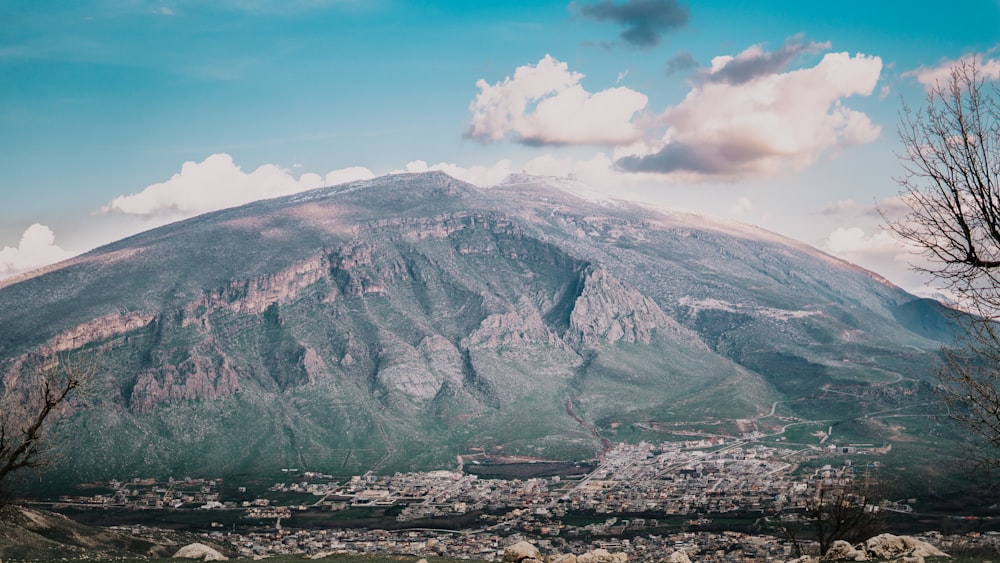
point(36, 248)
point(217, 183)
point(940, 74)
point(645, 21)
point(344, 175)
point(754, 124)
point(754, 61)
point(545, 104)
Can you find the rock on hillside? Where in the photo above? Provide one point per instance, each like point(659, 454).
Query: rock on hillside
point(883, 547)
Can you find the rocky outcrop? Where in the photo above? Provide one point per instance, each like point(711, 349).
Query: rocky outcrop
point(314, 364)
point(525, 552)
point(520, 551)
point(884, 547)
point(199, 551)
point(608, 311)
point(841, 550)
point(417, 372)
point(255, 295)
point(678, 556)
point(206, 374)
point(521, 326)
point(600, 555)
point(888, 546)
point(443, 226)
point(352, 261)
point(99, 329)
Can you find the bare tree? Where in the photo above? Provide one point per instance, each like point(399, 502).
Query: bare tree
point(951, 191)
point(846, 512)
point(951, 187)
point(30, 402)
point(838, 510)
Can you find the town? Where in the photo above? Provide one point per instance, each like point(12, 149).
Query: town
point(639, 499)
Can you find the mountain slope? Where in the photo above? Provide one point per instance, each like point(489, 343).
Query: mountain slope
point(397, 322)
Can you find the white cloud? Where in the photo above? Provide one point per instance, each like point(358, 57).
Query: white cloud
point(350, 174)
point(764, 125)
point(597, 171)
point(217, 183)
point(940, 74)
point(483, 176)
point(747, 115)
point(36, 248)
point(853, 241)
point(545, 104)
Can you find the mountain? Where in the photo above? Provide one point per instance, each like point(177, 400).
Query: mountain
point(398, 322)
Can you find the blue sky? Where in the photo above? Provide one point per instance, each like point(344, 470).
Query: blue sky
point(103, 103)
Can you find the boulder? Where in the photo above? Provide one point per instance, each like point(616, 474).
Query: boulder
point(600, 555)
point(562, 558)
point(678, 556)
point(840, 550)
point(199, 551)
point(888, 546)
point(520, 551)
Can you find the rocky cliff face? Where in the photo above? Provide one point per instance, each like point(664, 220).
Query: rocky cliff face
point(102, 328)
point(205, 375)
point(392, 323)
point(607, 312)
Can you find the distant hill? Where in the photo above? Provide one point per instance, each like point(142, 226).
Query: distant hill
point(398, 322)
point(39, 535)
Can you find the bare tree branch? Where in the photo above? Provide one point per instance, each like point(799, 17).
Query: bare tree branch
point(844, 507)
point(951, 186)
point(30, 403)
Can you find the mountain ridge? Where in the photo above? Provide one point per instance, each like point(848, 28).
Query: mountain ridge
point(396, 322)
